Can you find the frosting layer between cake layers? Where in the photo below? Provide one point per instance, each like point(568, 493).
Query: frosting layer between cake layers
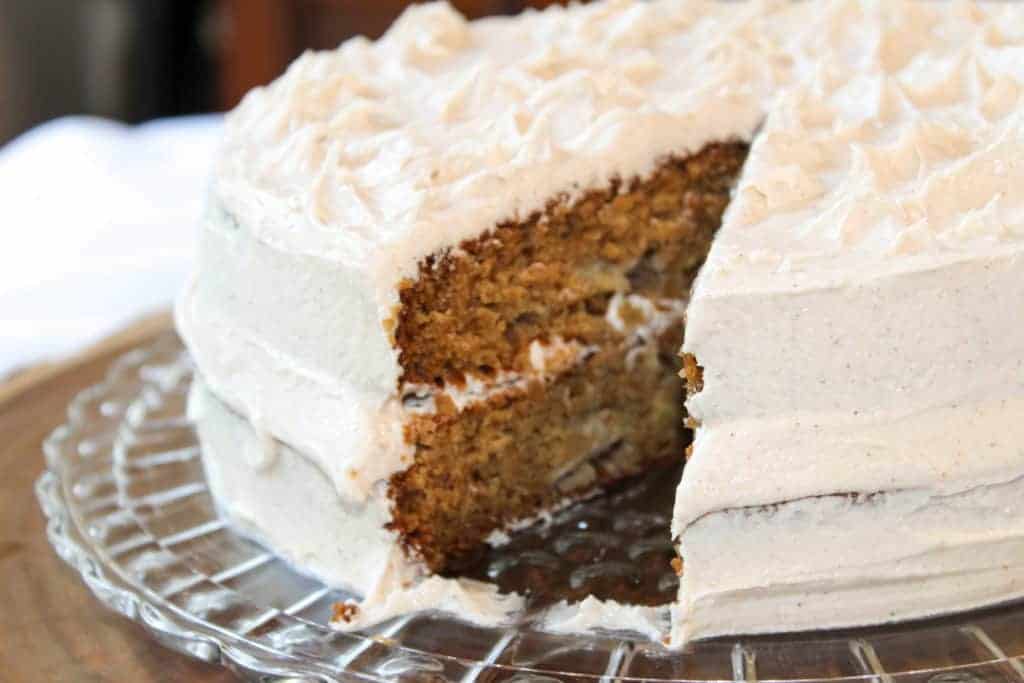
point(858, 322)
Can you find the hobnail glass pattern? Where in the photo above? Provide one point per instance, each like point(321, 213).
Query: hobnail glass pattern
point(128, 508)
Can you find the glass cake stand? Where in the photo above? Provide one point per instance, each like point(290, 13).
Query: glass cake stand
point(129, 509)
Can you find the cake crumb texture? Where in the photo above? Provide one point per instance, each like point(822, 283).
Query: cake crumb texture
point(476, 309)
point(522, 452)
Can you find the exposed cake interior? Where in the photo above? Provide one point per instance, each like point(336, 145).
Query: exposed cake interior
point(523, 451)
point(540, 360)
point(476, 309)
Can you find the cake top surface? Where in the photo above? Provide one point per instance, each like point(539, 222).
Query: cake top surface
point(883, 149)
point(380, 153)
point(898, 150)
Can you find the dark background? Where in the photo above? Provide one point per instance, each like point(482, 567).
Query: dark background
point(135, 60)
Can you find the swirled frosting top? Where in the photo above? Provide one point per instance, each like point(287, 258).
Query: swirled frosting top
point(898, 150)
point(379, 153)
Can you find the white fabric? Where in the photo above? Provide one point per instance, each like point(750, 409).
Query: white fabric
point(98, 221)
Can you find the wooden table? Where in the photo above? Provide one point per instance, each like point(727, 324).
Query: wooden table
point(51, 627)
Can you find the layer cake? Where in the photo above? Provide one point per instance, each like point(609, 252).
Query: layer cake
point(443, 277)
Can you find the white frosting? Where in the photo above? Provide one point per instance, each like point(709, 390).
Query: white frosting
point(548, 360)
point(286, 340)
point(592, 614)
point(858, 321)
point(278, 501)
point(830, 562)
point(375, 155)
point(654, 317)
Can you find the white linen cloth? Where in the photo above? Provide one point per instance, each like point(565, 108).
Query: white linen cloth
point(98, 220)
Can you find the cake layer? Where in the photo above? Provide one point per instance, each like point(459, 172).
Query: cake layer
point(891, 345)
point(524, 450)
point(479, 306)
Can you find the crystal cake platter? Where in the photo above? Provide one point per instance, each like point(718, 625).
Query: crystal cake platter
point(129, 509)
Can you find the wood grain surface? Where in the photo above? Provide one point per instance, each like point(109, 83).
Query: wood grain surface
point(51, 627)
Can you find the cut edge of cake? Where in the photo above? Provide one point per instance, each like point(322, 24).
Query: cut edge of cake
point(489, 364)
